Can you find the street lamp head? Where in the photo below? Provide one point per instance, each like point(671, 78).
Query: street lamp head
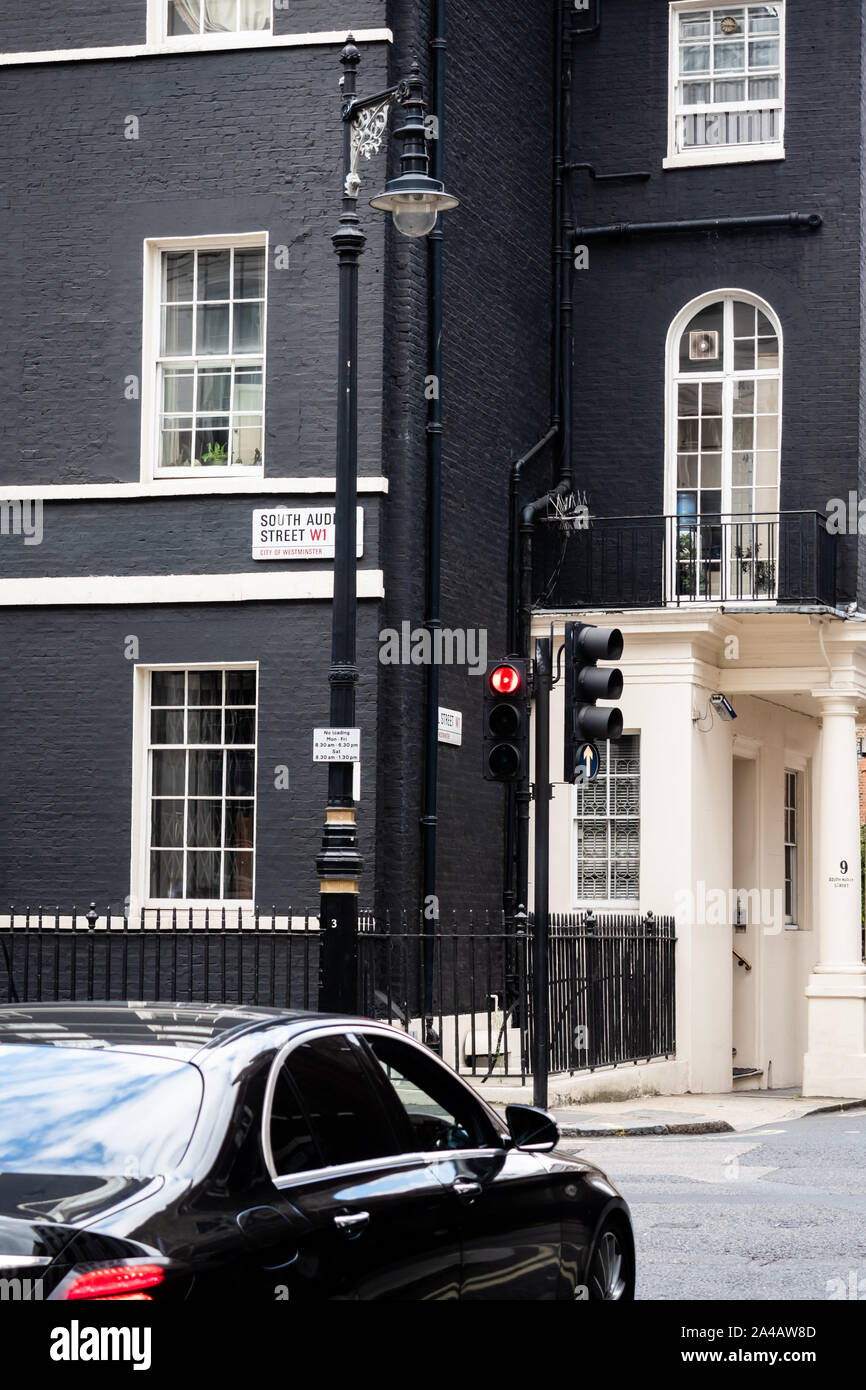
point(415, 203)
point(414, 199)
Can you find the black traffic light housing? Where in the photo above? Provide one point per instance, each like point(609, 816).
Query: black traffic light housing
point(507, 704)
point(586, 682)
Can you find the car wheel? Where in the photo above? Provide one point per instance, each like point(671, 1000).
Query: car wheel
point(611, 1272)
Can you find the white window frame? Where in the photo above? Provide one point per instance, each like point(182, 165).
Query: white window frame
point(151, 343)
point(608, 904)
point(795, 762)
point(719, 154)
point(140, 897)
point(158, 35)
point(677, 328)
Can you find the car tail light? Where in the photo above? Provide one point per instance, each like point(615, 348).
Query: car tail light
point(122, 1281)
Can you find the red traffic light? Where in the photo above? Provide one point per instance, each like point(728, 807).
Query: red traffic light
point(505, 680)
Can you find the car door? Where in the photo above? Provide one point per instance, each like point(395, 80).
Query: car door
point(510, 1224)
point(367, 1220)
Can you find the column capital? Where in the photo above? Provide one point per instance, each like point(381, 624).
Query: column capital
point(841, 702)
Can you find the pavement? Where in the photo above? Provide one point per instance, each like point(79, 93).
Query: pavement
point(733, 1113)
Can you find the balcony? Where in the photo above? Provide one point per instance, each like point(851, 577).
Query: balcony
point(781, 559)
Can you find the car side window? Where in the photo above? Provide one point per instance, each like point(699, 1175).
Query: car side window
point(328, 1111)
point(440, 1114)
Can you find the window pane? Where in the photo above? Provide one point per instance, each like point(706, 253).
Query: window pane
point(176, 332)
point(214, 270)
point(695, 58)
point(764, 54)
point(764, 88)
point(437, 1116)
point(166, 874)
point(212, 330)
point(711, 398)
point(214, 388)
point(203, 873)
point(248, 328)
point(729, 90)
point(255, 14)
point(239, 825)
point(240, 687)
point(768, 353)
point(238, 876)
point(711, 433)
point(696, 93)
point(687, 435)
point(220, 16)
point(744, 397)
point(239, 774)
point(205, 726)
point(168, 774)
point(292, 1144)
point(184, 17)
point(167, 687)
point(177, 391)
point(347, 1118)
point(204, 824)
point(687, 470)
point(744, 320)
point(167, 824)
point(767, 468)
point(711, 470)
point(729, 57)
point(744, 432)
point(248, 390)
point(768, 397)
point(743, 472)
point(177, 276)
point(764, 19)
point(205, 687)
point(166, 726)
point(240, 726)
point(689, 400)
point(249, 273)
point(744, 355)
point(767, 434)
point(205, 773)
point(176, 447)
point(709, 320)
point(212, 442)
point(695, 26)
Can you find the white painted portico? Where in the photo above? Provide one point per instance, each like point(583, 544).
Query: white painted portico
point(789, 997)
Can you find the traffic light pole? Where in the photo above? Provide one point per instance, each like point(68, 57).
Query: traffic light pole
point(540, 969)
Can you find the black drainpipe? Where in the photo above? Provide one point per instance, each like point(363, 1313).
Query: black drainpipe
point(810, 221)
point(429, 818)
point(522, 523)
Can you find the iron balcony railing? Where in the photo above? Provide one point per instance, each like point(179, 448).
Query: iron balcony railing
point(782, 558)
point(612, 978)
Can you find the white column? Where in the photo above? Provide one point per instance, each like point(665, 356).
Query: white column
point(835, 1063)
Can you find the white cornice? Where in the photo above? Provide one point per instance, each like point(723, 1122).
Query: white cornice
point(181, 487)
point(173, 48)
point(145, 589)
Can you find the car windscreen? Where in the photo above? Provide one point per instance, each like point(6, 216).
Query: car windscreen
point(66, 1110)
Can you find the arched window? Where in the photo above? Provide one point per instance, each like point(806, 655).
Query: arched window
point(725, 374)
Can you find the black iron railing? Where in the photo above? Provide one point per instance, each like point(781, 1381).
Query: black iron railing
point(786, 558)
point(612, 979)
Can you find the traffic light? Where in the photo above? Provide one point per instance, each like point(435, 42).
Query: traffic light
point(585, 682)
point(506, 720)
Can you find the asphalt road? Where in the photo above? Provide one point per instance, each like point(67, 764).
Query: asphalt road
point(775, 1213)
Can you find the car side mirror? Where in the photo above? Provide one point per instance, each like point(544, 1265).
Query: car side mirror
point(531, 1129)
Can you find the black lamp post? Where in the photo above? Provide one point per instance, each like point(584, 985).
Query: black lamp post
point(415, 201)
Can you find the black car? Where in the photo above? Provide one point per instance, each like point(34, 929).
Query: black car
point(176, 1151)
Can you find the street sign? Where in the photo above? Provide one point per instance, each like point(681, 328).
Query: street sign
point(450, 726)
point(336, 745)
point(298, 531)
point(587, 762)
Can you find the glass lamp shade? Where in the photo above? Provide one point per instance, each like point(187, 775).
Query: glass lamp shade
point(414, 203)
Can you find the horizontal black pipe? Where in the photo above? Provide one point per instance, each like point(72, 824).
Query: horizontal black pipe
point(810, 220)
point(607, 178)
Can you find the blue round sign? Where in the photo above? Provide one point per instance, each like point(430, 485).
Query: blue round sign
point(587, 763)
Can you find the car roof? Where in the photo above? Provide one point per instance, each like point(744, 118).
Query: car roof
point(137, 1026)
